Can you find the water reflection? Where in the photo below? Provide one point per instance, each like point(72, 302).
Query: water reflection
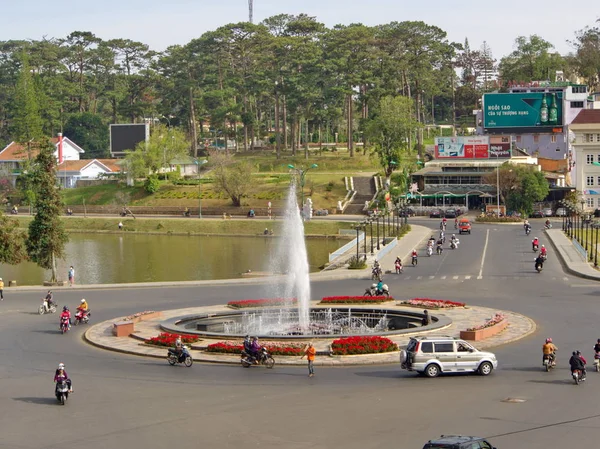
point(116, 258)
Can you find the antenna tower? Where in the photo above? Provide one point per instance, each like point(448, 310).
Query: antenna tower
point(250, 10)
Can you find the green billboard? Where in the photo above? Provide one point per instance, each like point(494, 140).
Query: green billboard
point(523, 110)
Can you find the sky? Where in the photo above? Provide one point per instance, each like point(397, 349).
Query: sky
point(161, 23)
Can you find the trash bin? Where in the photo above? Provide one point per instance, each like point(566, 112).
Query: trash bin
point(597, 213)
point(12, 283)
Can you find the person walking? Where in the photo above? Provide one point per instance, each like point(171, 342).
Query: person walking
point(309, 353)
point(1, 290)
point(71, 276)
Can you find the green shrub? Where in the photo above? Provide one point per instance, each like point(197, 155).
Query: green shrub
point(357, 264)
point(329, 186)
point(498, 220)
point(152, 184)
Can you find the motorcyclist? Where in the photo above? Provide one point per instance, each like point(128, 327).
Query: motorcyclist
point(439, 244)
point(548, 225)
point(379, 288)
point(60, 375)
point(443, 236)
point(83, 306)
point(584, 372)
point(577, 364)
point(255, 349)
point(549, 350)
point(66, 315)
point(456, 223)
point(50, 299)
point(535, 243)
point(539, 261)
point(398, 265)
point(247, 345)
point(597, 346)
point(526, 223)
point(414, 256)
point(431, 241)
point(543, 252)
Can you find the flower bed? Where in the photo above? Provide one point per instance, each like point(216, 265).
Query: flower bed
point(234, 347)
point(491, 327)
point(362, 345)
point(355, 299)
point(166, 339)
point(427, 303)
point(273, 302)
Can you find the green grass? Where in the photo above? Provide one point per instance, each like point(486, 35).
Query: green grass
point(189, 226)
point(104, 194)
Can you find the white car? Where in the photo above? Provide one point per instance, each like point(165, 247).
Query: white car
point(547, 212)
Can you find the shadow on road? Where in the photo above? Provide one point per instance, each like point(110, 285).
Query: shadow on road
point(384, 374)
point(53, 332)
point(553, 382)
point(39, 401)
point(529, 369)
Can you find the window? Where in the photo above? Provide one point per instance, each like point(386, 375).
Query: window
point(427, 347)
point(576, 104)
point(444, 347)
point(599, 182)
point(597, 137)
point(579, 89)
point(589, 202)
point(553, 138)
point(518, 139)
point(589, 158)
point(588, 138)
point(589, 181)
point(536, 138)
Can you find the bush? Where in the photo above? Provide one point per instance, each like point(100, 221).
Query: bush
point(428, 303)
point(273, 302)
point(498, 220)
point(230, 347)
point(166, 339)
point(357, 264)
point(152, 184)
point(363, 345)
point(355, 299)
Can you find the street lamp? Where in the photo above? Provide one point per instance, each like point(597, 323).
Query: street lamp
point(596, 226)
point(198, 165)
point(371, 225)
point(357, 227)
point(302, 173)
point(582, 223)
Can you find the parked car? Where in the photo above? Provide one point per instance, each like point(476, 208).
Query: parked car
point(547, 212)
point(435, 214)
point(407, 212)
point(561, 212)
point(450, 213)
point(537, 214)
point(464, 225)
point(458, 442)
point(434, 355)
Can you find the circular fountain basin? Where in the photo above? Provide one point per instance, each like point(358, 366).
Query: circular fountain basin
point(282, 323)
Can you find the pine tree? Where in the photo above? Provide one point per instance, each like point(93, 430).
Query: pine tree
point(27, 122)
point(47, 237)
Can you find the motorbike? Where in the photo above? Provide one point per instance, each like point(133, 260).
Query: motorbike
point(264, 358)
point(454, 244)
point(548, 226)
point(186, 213)
point(429, 250)
point(372, 291)
point(44, 308)
point(577, 376)
point(439, 249)
point(539, 266)
point(82, 317)
point(527, 230)
point(535, 247)
point(62, 391)
point(597, 361)
point(64, 325)
point(185, 357)
point(549, 361)
point(399, 268)
point(376, 273)
point(414, 260)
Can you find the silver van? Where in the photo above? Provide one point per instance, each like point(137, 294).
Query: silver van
point(434, 355)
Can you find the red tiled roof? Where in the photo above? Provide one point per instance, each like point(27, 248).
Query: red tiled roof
point(111, 164)
point(15, 151)
point(71, 165)
point(553, 165)
point(587, 116)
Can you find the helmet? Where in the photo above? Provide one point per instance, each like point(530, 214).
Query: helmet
point(61, 366)
point(535, 238)
point(543, 246)
point(548, 340)
point(453, 235)
point(65, 308)
point(578, 352)
point(82, 301)
point(374, 285)
point(574, 352)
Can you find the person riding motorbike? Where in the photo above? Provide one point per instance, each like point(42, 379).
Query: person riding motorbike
point(431, 240)
point(66, 315)
point(414, 256)
point(255, 348)
point(577, 364)
point(61, 375)
point(442, 236)
point(83, 306)
point(580, 355)
point(526, 223)
point(543, 252)
point(539, 262)
point(456, 223)
point(439, 244)
point(549, 351)
point(527, 228)
point(548, 224)
point(247, 345)
point(379, 288)
point(50, 299)
point(535, 244)
point(398, 265)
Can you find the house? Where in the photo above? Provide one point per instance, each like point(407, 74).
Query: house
point(13, 155)
point(586, 146)
point(71, 171)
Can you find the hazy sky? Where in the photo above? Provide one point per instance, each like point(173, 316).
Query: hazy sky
point(168, 22)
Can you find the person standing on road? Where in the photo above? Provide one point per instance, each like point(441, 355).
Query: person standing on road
point(71, 276)
point(426, 319)
point(310, 353)
point(1, 290)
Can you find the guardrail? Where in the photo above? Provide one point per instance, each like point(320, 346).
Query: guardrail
point(580, 249)
point(344, 249)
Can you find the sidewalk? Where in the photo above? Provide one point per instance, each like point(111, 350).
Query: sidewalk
point(572, 260)
point(100, 335)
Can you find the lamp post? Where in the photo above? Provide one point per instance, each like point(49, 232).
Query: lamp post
point(596, 251)
point(371, 224)
point(582, 223)
point(198, 165)
point(377, 216)
point(364, 225)
point(302, 174)
point(357, 227)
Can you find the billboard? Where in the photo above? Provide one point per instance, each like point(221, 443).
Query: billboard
point(535, 111)
point(126, 137)
point(462, 147)
point(500, 147)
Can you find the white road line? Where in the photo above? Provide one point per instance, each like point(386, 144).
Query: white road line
point(487, 236)
point(565, 279)
point(419, 277)
point(454, 277)
point(407, 278)
point(431, 277)
point(467, 277)
point(443, 277)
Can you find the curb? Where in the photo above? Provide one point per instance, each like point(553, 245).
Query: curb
point(565, 265)
point(520, 337)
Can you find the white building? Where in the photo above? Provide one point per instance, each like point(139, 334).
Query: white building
point(586, 146)
point(69, 172)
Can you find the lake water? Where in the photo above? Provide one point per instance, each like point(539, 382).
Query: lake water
point(120, 258)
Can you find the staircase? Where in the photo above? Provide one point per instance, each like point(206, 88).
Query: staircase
point(365, 189)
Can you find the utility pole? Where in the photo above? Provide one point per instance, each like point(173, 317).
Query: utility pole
point(250, 10)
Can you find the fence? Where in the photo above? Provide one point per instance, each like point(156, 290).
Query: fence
point(341, 251)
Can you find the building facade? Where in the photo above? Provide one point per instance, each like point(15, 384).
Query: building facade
point(586, 146)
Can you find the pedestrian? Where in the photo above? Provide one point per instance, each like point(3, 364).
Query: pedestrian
point(1, 290)
point(71, 276)
point(426, 318)
point(120, 225)
point(309, 353)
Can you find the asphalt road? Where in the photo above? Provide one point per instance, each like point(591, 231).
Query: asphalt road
point(128, 401)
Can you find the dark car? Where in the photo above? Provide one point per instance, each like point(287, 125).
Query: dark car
point(408, 212)
point(458, 442)
point(450, 213)
point(435, 214)
point(537, 214)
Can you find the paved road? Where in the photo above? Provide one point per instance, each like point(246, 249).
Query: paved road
point(144, 403)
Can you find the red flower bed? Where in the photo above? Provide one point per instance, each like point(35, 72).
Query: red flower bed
point(355, 299)
point(428, 303)
point(362, 345)
point(274, 302)
point(231, 347)
point(166, 339)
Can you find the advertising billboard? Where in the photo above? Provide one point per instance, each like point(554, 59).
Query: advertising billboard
point(500, 147)
point(126, 137)
point(462, 147)
point(535, 111)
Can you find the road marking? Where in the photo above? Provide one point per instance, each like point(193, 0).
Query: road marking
point(443, 277)
point(565, 279)
point(454, 277)
point(467, 277)
point(431, 277)
point(487, 236)
point(407, 278)
point(419, 277)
